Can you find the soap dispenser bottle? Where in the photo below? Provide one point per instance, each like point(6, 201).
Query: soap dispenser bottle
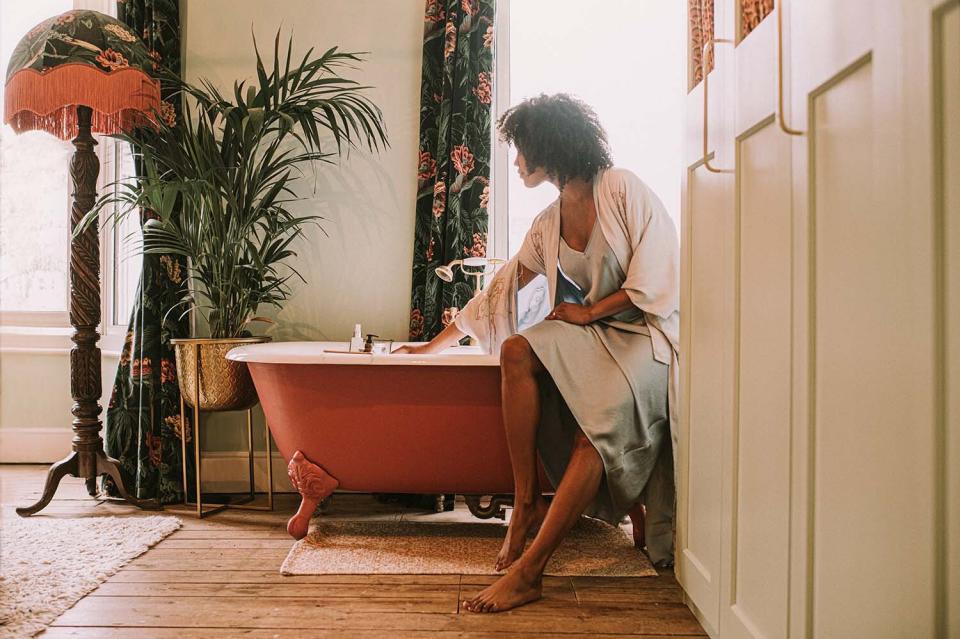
point(356, 342)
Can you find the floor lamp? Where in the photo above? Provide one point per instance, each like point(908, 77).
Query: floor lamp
point(72, 75)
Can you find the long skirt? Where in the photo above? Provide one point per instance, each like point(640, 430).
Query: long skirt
point(606, 381)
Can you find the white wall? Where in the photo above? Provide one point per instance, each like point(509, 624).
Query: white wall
point(361, 271)
point(35, 403)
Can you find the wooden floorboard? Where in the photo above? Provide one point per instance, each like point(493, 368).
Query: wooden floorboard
point(317, 633)
point(219, 577)
point(132, 575)
point(550, 615)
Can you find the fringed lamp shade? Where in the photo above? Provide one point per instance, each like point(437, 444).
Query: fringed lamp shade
point(80, 58)
point(73, 75)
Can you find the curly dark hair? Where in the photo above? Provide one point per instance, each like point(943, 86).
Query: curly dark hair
point(560, 134)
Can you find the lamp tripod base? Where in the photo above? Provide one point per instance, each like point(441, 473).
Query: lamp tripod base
point(70, 466)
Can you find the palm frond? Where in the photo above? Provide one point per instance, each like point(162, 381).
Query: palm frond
point(217, 183)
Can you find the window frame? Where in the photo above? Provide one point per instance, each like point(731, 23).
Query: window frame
point(113, 328)
point(498, 219)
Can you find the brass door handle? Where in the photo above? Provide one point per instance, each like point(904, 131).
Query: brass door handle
point(781, 118)
point(706, 110)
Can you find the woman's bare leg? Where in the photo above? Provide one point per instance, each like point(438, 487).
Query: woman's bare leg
point(520, 397)
point(523, 582)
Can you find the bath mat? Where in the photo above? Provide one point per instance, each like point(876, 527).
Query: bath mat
point(48, 564)
point(591, 549)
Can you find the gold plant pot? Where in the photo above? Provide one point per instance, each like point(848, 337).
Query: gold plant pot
point(224, 384)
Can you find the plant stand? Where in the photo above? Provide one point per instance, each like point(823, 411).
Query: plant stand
point(241, 505)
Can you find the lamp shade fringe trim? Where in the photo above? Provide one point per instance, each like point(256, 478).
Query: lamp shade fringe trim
point(121, 100)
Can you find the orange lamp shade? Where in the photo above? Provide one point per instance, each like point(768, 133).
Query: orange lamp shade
point(82, 58)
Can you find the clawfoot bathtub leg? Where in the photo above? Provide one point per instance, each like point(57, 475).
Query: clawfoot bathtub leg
point(314, 484)
point(638, 516)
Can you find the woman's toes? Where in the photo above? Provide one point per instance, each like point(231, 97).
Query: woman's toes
point(475, 604)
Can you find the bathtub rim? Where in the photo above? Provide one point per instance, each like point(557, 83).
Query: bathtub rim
point(303, 352)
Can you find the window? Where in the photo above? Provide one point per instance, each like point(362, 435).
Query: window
point(625, 58)
point(121, 242)
point(34, 195)
point(34, 215)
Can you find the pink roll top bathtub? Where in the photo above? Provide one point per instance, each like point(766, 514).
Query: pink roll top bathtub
point(383, 423)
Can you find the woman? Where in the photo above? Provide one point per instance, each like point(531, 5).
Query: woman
point(587, 387)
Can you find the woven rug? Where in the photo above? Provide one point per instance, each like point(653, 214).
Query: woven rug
point(592, 548)
point(47, 564)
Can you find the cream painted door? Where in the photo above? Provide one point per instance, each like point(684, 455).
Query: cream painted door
point(868, 401)
point(820, 450)
point(706, 330)
point(756, 483)
point(946, 88)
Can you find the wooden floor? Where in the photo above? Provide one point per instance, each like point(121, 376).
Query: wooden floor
point(220, 577)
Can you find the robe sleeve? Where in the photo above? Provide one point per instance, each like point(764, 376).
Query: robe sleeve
point(530, 254)
point(653, 273)
point(490, 316)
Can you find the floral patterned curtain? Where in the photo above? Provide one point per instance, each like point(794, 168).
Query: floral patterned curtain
point(143, 428)
point(453, 180)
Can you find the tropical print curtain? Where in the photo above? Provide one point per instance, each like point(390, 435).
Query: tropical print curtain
point(453, 179)
point(143, 428)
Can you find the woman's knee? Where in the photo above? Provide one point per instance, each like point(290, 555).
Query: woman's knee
point(582, 446)
point(517, 356)
point(580, 440)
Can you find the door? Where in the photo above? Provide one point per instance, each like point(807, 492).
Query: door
point(946, 91)
point(706, 329)
point(946, 130)
point(820, 452)
point(756, 505)
point(868, 397)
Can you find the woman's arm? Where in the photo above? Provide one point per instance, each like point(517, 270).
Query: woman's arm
point(585, 314)
point(524, 275)
point(449, 336)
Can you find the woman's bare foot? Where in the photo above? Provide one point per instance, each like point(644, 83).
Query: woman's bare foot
point(522, 521)
point(514, 589)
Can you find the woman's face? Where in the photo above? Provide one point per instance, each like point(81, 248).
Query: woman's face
point(530, 179)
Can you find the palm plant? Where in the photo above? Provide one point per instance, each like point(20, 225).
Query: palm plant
point(216, 186)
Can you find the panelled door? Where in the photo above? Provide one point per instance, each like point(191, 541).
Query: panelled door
point(756, 489)
point(869, 314)
point(706, 327)
point(820, 441)
point(945, 80)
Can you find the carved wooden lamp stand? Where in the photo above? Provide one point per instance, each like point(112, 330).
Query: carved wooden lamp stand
point(75, 74)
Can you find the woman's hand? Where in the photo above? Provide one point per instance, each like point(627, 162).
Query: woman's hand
point(414, 349)
point(571, 313)
point(449, 336)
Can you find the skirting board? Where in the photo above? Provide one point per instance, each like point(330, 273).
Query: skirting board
point(222, 471)
point(34, 445)
point(226, 472)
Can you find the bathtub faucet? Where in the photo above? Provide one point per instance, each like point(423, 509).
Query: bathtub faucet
point(480, 267)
